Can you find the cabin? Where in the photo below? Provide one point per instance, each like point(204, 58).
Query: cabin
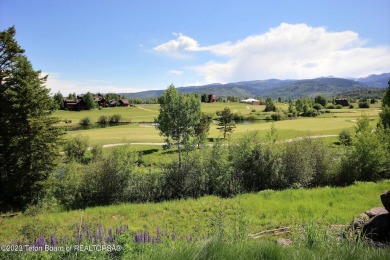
point(123, 102)
point(209, 98)
point(100, 100)
point(75, 105)
point(212, 98)
point(342, 101)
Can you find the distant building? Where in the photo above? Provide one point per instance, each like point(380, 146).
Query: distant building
point(212, 98)
point(75, 105)
point(209, 98)
point(100, 100)
point(251, 101)
point(123, 102)
point(342, 101)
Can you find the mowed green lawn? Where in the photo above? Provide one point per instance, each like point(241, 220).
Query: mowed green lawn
point(141, 113)
point(141, 130)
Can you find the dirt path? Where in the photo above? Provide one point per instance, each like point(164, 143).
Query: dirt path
point(284, 141)
point(145, 109)
point(303, 137)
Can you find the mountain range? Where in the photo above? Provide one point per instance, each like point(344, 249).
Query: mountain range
point(286, 89)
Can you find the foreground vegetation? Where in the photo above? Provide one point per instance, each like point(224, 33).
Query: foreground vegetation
point(213, 227)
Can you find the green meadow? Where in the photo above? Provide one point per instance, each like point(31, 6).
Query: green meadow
point(141, 117)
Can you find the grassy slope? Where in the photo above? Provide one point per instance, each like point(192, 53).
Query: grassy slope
point(263, 210)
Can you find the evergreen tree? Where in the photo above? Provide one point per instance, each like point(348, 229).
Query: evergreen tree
point(269, 105)
point(28, 135)
point(202, 128)
point(225, 121)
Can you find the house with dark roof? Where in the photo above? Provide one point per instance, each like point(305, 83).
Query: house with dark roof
point(123, 102)
point(100, 100)
point(342, 101)
point(75, 105)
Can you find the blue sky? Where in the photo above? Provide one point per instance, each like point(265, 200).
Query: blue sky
point(129, 46)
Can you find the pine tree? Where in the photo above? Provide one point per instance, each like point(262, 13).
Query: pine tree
point(225, 121)
point(28, 135)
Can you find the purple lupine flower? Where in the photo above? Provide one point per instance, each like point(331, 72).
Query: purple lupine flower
point(158, 233)
point(145, 236)
point(110, 232)
point(99, 234)
point(79, 238)
point(139, 237)
point(53, 240)
point(108, 239)
point(40, 241)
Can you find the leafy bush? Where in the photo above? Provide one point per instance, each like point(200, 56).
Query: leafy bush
point(369, 158)
point(345, 138)
point(317, 106)
point(76, 148)
point(278, 116)
point(364, 104)
point(115, 119)
point(104, 121)
point(85, 123)
point(305, 163)
point(330, 106)
point(338, 106)
point(350, 106)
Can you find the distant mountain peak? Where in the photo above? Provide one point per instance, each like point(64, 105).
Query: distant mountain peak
point(286, 89)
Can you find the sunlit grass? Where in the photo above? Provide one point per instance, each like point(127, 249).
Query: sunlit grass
point(264, 210)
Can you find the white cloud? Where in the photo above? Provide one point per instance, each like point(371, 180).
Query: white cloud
point(287, 51)
point(175, 72)
point(55, 84)
point(182, 42)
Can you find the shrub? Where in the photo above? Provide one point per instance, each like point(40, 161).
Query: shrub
point(367, 161)
point(317, 106)
point(103, 121)
point(115, 119)
point(350, 106)
point(330, 106)
point(305, 163)
point(277, 116)
point(76, 148)
point(345, 138)
point(107, 180)
point(338, 106)
point(364, 104)
point(85, 122)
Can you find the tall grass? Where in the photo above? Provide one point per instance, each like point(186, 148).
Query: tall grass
point(263, 210)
